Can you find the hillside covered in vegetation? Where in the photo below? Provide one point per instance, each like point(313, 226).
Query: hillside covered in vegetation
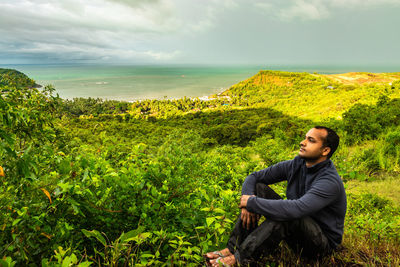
point(157, 182)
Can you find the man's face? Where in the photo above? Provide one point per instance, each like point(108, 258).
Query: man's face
point(312, 148)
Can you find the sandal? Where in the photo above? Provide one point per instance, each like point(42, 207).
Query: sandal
point(207, 259)
point(225, 264)
point(219, 255)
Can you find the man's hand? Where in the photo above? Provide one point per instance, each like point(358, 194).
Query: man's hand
point(249, 219)
point(243, 200)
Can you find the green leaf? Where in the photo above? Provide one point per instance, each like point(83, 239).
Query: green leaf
point(197, 202)
point(147, 256)
point(84, 264)
point(96, 234)
point(219, 210)
point(144, 236)
point(154, 192)
point(125, 237)
point(69, 260)
point(6, 137)
point(85, 175)
point(7, 262)
point(210, 220)
point(16, 221)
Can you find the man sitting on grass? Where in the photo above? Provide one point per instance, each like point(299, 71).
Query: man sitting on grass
point(310, 220)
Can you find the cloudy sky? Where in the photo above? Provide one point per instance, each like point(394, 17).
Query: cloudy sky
point(200, 31)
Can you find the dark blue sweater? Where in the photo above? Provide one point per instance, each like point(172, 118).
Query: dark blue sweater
point(317, 192)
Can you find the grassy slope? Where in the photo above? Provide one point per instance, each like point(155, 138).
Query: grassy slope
point(387, 186)
point(313, 96)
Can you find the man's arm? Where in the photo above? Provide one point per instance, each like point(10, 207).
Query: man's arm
point(322, 193)
point(270, 175)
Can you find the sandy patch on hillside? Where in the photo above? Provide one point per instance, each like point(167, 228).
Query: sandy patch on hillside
point(364, 77)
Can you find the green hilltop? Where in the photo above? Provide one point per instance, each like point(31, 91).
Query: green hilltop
point(157, 182)
point(313, 96)
point(10, 77)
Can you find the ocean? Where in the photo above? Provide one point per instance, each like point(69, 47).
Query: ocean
point(131, 83)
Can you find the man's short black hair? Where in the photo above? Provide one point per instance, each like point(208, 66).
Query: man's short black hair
point(331, 140)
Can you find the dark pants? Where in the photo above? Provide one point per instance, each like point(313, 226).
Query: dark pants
point(303, 235)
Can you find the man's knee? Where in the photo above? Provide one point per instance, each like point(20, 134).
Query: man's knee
point(264, 191)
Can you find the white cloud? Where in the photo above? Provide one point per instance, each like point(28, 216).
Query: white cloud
point(305, 10)
point(198, 16)
point(162, 55)
point(135, 3)
point(264, 6)
point(74, 52)
point(151, 30)
point(73, 26)
point(362, 3)
point(293, 10)
point(86, 29)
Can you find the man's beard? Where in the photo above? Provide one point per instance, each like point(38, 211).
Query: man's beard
point(308, 158)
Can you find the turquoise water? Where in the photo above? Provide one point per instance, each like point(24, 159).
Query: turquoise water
point(132, 83)
point(136, 82)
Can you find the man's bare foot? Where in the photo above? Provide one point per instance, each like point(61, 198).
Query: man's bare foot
point(216, 254)
point(224, 261)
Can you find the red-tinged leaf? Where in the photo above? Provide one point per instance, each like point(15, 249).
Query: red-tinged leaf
point(46, 235)
point(47, 194)
point(2, 174)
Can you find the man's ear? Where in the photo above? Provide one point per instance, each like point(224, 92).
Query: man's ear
point(325, 151)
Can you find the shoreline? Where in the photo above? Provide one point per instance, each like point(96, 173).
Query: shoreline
point(201, 98)
point(345, 78)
